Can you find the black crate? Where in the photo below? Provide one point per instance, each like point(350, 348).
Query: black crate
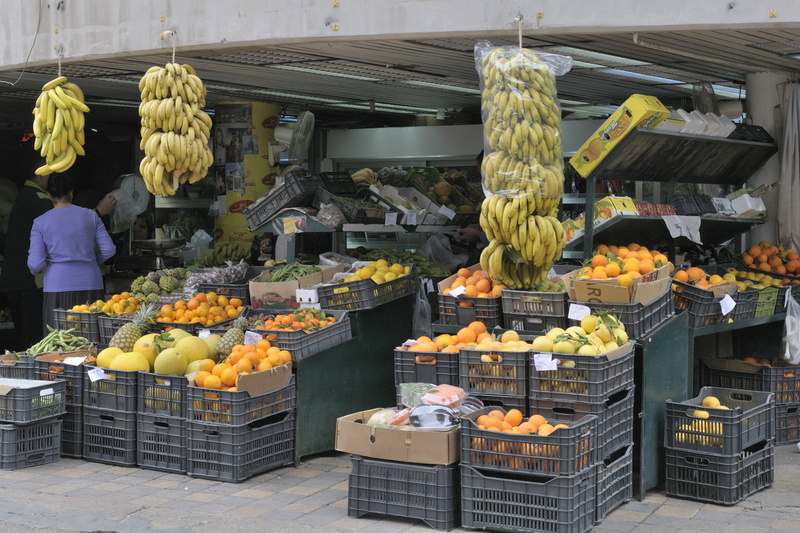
point(783, 291)
point(614, 482)
point(504, 402)
point(109, 436)
point(340, 183)
point(235, 453)
point(426, 492)
point(614, 417)
point(160, 326)
point(84, 324)
point(639, 320)
point(463, 310)
point(533, 303)
point(787, 423)
point(31, 401)
point(298, 189)
point(236, 408)
point(500, 501)
point(718, 478)
point(73, 375)
point(109, 325)
point(72, 432)
point(701, 304)
point(506, 376)
point(302, 344)
point(697, 204)
point(533, 323)
point(443, 370)
point(749, 419)
point(353, 213)
point(592, 378)
point(783, 381)
point(746, 302)
point(16, 366)
point(30, 444)
point(117, 390)
point(564, 451)
point(162, 395)
point(161, 442)
point(365, 293)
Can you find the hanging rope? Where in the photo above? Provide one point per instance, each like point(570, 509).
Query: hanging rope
point(170, 33)
point(518, 20)
point(60, 46)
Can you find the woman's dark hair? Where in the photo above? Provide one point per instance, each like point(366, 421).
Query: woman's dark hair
point(60, 185)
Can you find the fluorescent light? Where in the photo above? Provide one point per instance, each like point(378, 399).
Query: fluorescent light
point(597, 56)
point(324, 72)
point(638, 76)
point(443, 87)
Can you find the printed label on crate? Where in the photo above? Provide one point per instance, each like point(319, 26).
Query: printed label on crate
point(458, 291)
point(446, 211)
point(390, 219)
point(74, 361)
point(96, 374)
point(578, 312)
point(204, 333)
point(544, 362)
point(251, 337)
point(727, 304)
point(411, 218)
point(410, 342)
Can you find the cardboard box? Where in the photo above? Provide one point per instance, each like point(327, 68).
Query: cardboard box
point(612, 206)
point(404, 444)
point(446, 283)
point(638, 111)
point(574, 228)
point(645, 289)
point(282, 295)
point(264, 381)
point(748, 207)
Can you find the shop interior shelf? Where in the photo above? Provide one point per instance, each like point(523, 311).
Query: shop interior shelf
point(720, 328)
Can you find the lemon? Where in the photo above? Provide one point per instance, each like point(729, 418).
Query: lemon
point(700, 414)
point(553, 333)
point(397, 268)
point(377, 278)
point(563, 347)
point(588, 349)
point(589, 323)
point(366, 272)
point(711, 401)
point(542, 344)
point(389, 276)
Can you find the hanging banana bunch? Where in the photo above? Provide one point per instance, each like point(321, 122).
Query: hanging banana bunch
point(523, 169)
point(175, 129)
point(58, 123)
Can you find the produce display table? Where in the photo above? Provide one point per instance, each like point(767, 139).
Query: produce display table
point(356, 375)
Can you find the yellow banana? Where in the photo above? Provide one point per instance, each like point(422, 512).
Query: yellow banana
point(54, 83)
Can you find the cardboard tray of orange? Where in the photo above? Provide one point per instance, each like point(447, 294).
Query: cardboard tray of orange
point(645, 289)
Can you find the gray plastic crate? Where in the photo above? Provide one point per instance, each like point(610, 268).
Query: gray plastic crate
point(30, 444)
point(784, 381)
point(16, 366)
point(31, 400)
point(73, 375)
point(564, 451)
point(749, 419)
point(534, 303)
point(504, 402)
point(161, 442)
point(365, 293)
point(498, 501)
point(489, 311)
point(442, 371)
point(639, 320)
point(592, 379)
point(506, 377)
point(84, 324)
point(109, 325)
point(426, 492)
point(72, 432)
point(162, 395)
point(302, 344)
point(235, 453)
point(237, 408)
point(719, 478)
point(109, 436)
point(787, 423)
point(614, 482)
point(614, 417)
point(116, 391)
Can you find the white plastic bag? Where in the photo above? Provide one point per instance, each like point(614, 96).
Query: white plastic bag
point(422, 314)
point(437, 249)
point(791, 331)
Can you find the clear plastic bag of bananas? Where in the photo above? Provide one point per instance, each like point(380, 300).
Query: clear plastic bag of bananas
point(175, 130)
point(522, 169)
point(58, 123)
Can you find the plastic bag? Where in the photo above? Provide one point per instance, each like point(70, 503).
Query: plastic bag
point(381, 417)
point(331, 216)
point(200, 239)
point(333, 259)
point(446, 395)
point(422, 314)
point(791, 331)
point(432, 417)
point(437, 249)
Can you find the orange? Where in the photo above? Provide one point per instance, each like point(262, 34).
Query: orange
point(222, 301)
point(599, 260)
point(481, 421)
point(245, 364)
point(765, 266)
point(218, 369)
point(545, 429)
point(483, 336)
point(228, 377)
point(483, 285)
point(514, 417)
point(444, 340)
point(497, 289)
point(472, 280)
point(419, 347)
point(464, 273)
point(626, 280)
point(601, 249)
point(466, 335)
point(660, 260)
point(264, 365)
point(286, 357)
point(450, 349)
point(192, 304)
point(537, 420)
point(459, 282)
point(695, 274)
point(612, 269)
point(748, 259)
point(212, 382)
point(682, 276)
point(201, 377)
point(498, 414)
point(599, 273)
point(477, 326)
point(646, 266)
point(471, 291)
point(424, 338)
point(645, 255)
point(633, 247)
point(622, 252)
point(632, 254)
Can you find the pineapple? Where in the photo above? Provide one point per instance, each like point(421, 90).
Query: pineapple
point(232, 337)
point(129, 333)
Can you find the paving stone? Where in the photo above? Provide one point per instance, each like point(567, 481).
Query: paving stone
point(675, 511)
point(616, 526)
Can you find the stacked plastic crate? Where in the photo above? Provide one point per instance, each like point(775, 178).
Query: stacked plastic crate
point(782, 381)
point(69, 368)
point(109, 415)
point(534, 310)
point(719, 445)
point(161, 423)
point(30, 422)
point(525, 482)
point(600, 386)
point(499, 378)
point(232, 435)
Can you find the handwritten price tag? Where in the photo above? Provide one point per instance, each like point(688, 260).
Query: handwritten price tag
point(390, 219)
point(411, 218)
point(578, 312)
point(727, 304)
point(446, 211)
point(96, 374)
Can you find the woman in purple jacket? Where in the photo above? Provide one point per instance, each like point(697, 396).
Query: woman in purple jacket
point(69, 243)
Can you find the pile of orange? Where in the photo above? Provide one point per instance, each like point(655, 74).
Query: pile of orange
point(622, 262)
point(474, 336)
point(698, 277)
point(244, 359)
point(513, 422)
point(119, 304)
point(207, 308)
point(770, 258)
point(476, 284)
point(303, 319)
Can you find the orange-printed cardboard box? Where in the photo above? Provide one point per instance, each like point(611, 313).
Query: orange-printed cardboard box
point(574, 228)
point(638, 111)
point(645, 289)
point(612, 206)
